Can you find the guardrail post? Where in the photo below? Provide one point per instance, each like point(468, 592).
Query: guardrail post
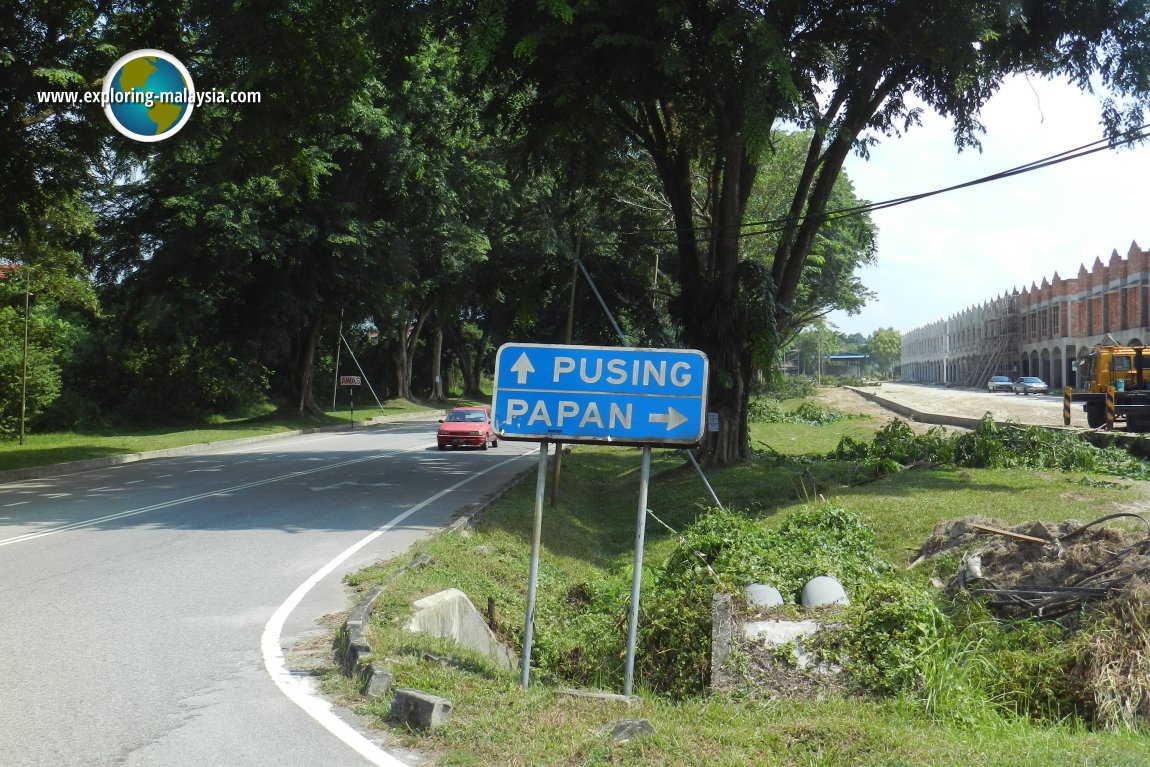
point(1109, 408)
point(1067, 392)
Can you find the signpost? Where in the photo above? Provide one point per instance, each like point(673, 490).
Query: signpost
point(349, 382)
point(605, 396)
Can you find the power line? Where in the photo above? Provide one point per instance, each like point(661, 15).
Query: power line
point(771, 226)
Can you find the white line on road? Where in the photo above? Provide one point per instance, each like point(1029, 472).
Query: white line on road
point(200, 496)
point(299, 689)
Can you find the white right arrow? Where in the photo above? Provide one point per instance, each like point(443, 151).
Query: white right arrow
point(522, 367)
point(672, 418)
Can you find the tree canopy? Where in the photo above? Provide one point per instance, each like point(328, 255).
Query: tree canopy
point(431, 171)
point(702, 87)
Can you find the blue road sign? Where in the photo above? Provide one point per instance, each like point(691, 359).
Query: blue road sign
point(600, 394)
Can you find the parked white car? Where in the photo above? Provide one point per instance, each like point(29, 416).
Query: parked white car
point(1030, 385)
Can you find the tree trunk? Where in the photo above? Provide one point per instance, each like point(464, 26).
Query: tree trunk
point(437, 388)
point(470, 361)
point(402, 371)
point(408, 338)
point(711, 307)
point(717, 329)
point(305, 369)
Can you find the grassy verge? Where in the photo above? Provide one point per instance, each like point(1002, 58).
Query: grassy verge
point(592, 533)
point(45, 449)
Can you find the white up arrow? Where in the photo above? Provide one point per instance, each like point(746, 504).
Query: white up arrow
point(672, 418)
point(522, 367)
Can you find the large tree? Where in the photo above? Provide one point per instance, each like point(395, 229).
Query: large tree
point(885, 349)
point(259, 224)
point(843, 244)
point(700, 86)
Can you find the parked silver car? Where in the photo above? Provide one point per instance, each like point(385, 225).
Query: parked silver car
point(1030, 385)
point(999, 383)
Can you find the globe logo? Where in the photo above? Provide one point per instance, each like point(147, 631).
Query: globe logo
point(148, 95)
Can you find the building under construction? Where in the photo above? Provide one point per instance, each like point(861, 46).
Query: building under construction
point(1040, 331)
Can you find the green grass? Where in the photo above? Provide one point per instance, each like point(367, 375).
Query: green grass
point(45, 449)
point(592, 533)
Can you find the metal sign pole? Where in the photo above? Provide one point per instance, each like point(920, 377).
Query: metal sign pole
point(637, 575)
point(533, 575)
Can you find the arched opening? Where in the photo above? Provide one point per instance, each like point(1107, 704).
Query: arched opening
point(1056, 379)
point(1044, 365)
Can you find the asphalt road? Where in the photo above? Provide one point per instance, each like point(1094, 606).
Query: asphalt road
point(135, 599)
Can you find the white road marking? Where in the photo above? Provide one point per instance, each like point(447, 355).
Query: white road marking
point(17, 503)
point(200, 496)
point(357, 484)
point(299, 689)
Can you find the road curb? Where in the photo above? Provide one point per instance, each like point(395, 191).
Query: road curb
point(934, 419)
point(353, 651)
point(1137, 445)
point(91, 464)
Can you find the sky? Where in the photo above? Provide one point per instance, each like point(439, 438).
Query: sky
point(944, 254)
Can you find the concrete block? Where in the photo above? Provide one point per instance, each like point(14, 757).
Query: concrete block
point(628, 729)
point(376, 681)
point(607, 697)
point(419, 710)
point(451, 615)
point(778, 633)
point(722, 638)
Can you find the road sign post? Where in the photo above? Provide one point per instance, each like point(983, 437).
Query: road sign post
point(637, 572)
point(533, 574)
point(350, 382)
point(605, 396)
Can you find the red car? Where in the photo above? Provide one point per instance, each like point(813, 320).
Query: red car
point(467, 426)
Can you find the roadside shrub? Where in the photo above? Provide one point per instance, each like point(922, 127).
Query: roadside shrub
point(987, 446)
point(767, 410)
point(886, 632)
point(822, 539)
point(785, 387)
point(721, 550)
point(583, 639)
point(818, 540)
point(814, 414)
point(764, 410)
point(983, 668)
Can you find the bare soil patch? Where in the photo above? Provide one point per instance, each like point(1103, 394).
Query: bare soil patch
point(851, 402)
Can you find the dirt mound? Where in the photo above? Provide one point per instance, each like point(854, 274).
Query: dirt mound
point(1044, 570)
point(1096, 575)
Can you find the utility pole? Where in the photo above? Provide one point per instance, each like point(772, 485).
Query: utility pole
point(570, 331)
point(24, 381)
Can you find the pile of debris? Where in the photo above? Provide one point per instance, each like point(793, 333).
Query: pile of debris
point(1035, 570)
point(1096, 574)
